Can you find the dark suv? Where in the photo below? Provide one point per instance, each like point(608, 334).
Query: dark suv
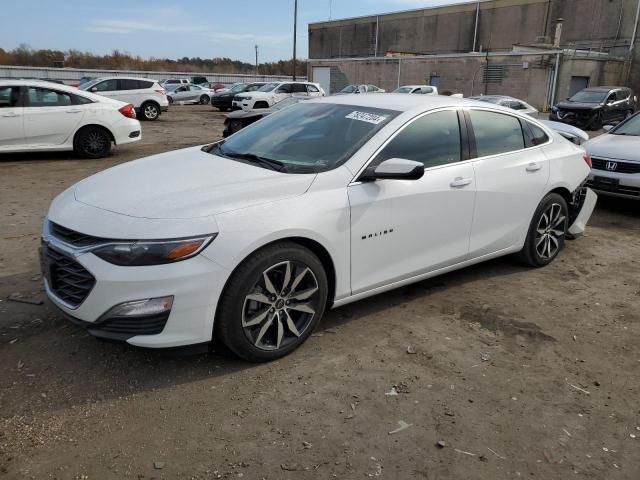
point(222, 100)
point(592, 108)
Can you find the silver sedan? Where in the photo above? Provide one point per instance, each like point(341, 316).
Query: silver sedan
point(509, 102)
point(189, 94)
point(616, 159)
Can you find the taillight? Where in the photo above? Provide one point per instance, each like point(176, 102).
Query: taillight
point(587, 160)
point(128, 111)
point(161, 92)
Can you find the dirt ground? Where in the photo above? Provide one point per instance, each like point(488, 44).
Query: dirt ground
point(521, 373)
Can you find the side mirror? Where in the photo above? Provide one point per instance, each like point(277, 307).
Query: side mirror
point(607, 128)
point(394, 169)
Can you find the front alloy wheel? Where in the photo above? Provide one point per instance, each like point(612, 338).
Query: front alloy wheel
point(281, 306)
point(272, 302)
point(547, 232)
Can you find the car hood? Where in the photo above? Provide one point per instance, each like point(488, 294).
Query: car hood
point(577, 106)
point(621, 147)
point(186, 184)
point(256, 94)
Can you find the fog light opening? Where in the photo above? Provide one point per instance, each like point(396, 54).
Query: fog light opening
point(138, 308)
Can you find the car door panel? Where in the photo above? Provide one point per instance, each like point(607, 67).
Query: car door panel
point(11, 118)
point(48, 123)
point(402, 228)
point(509, 187)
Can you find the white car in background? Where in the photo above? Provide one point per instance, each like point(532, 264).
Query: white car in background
point(509, 102)
point(146, 94)
point(175, 81)
point(271, 93)
point(37, 115)
point(417, 89)
point(321, 204)
point(360, 89)
point(189, 94)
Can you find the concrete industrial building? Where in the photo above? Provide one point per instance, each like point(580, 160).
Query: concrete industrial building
point(537, 50)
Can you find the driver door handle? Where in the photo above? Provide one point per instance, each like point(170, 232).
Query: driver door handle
point(11, 114)
point(75, 110)
point(533, 167)
point(460, 182)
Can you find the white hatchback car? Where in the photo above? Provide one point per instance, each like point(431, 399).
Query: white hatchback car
point(323, 203)
point(271, 93)
point(146, 94)
point(37, 115)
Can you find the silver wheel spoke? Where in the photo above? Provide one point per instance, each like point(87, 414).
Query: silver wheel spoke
point(303, 307)
point(557, 233)
point(291, 325)
point(280, 330)
point(304, 294)
point(287, 275)
point(268, 284)
point(257, 319)
point(553, 240)
point(259, 297)
point(263, 330)
point(298, 279)
point(559, 221)
point(540, 240)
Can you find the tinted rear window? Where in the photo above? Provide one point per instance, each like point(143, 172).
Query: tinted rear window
point(496, 133)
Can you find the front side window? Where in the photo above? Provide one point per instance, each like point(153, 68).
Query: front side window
point(297, 139)
point(43, 97)
point(286, 88)
point(403, 90)
point(298, 88)
point(9, 97)
point(349, 89)
point(496, 133)
point(129, 84)
point(106, 86)
point(433, 139)
point(269, 87)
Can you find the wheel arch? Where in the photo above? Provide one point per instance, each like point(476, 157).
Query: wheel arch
point(75, 134)
point(313, 245)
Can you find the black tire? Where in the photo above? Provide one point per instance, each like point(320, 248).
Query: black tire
point(597, 122)
point(204, 99)
point(92, 142)
point(150, 111)
point(170, 100)
point(245, 281)
point(543, 233)
point(223, 109)
point(261, 105)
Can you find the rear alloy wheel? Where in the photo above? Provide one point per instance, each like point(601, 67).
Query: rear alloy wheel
point(204, 100)
point(273, 302)
point(547, 232)
point(92, 142)
point(150, 111)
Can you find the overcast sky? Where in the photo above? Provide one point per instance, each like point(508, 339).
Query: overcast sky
point(175, 29)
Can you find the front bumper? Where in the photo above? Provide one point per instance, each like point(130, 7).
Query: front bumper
point(577, 118)
point(615, 184)
point(195, 284)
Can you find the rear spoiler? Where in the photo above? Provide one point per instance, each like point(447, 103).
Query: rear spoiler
point(571, 133)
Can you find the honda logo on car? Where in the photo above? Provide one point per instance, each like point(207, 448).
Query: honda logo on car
point(612, 166)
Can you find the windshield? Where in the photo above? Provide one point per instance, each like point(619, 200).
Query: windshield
point(586, 96)
point(349, 89)
point(308, 138)
point(631, 127)
point(268, 87)
point(238, 87)
point(88, 85)
point(403, 90)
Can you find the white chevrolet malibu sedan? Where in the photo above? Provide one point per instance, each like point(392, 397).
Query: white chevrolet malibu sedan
point(324, 203)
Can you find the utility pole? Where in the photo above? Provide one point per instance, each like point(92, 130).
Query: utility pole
point(256, 47)
point(295, 34)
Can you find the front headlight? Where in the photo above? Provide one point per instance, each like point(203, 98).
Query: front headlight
point(156, 252)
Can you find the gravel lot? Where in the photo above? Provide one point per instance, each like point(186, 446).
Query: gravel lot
point(521, 373)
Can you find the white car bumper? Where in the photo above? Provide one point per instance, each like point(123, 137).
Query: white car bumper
point(127, 130)
point(580, 223)
point(625, 185)
point(194, 284)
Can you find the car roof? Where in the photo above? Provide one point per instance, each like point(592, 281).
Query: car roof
point(404, 103)
point(126, 77)
point(603, 89)
point(39, 83)
point(414, 86)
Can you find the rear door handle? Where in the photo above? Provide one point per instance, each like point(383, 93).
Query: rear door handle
point(74, 111)
point(460, 182)
point(533, 167)
point(11, 114)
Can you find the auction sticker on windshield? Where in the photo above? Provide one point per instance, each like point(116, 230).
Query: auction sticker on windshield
point(367, 117)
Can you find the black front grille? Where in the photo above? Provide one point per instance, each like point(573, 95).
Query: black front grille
point(67, 279)
point(72, 237)
point(620, 167)
point(146, 325)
